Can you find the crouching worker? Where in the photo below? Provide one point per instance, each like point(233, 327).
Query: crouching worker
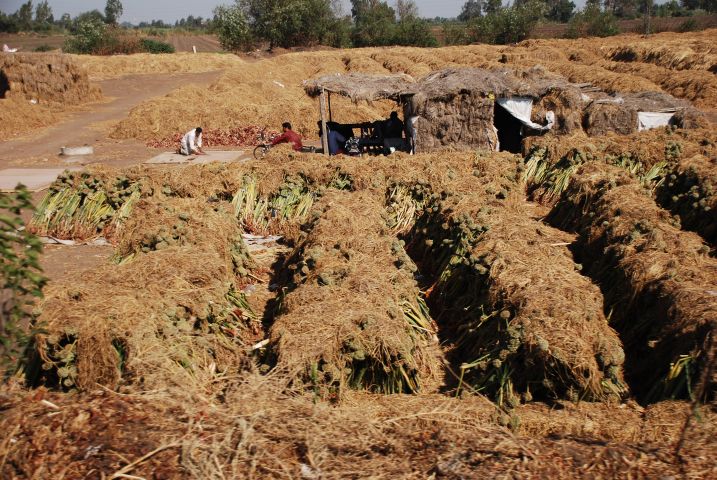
point(191, 143)
point(289, 136)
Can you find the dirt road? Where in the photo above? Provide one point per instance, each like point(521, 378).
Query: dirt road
point(184, 43)
point(92, 125)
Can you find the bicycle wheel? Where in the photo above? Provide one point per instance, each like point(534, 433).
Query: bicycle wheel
point(260, 151)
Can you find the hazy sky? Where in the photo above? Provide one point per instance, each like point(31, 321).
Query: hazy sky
point(170, 10)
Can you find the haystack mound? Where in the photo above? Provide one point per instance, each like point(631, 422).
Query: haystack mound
point(170, 312)
point(527, 324)
point(601, 118)
point(691, 192)
point(137, 323)
point(159, 223)
point(104, 67)
point(675, 54)
point(660, 275)
point(45, 77)
point(353, 317)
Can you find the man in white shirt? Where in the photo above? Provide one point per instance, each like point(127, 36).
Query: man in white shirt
point(191, 143)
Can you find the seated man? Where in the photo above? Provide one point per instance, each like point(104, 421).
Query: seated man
point(393, 134)
point(191, 143)
point(393, 128)
point(289, 136)
point(335, 138)
point(337, 142)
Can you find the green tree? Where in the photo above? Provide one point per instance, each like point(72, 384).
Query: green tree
point(411, 30)
point(21, 279)
point(454, 34)
point(24, 16)
point(592, 21)
point(289, 23)
point(8, 23)
point(374, 23)
point(94, 17)
point(507, 25)
point(339, 36)
point(88, 33)
point(43, 16)
point(492, 7)
point(232, 27)
point(406, 10)
point(113, 11)
point(65, 21)
point(709, 5)
point(414, 32)
point(622, 8)
point(560, 10)
point(471, 9)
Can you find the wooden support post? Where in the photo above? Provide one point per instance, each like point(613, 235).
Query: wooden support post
point(324, 130)
point(331, 116)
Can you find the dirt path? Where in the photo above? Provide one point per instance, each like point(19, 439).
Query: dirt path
point(92, 125)
point(184, 43)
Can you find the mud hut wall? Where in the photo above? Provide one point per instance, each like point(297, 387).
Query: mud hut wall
point(463, 120)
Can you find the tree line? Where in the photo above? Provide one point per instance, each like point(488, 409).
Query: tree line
point(40, 18)
point(248, 24)
point(288, 23)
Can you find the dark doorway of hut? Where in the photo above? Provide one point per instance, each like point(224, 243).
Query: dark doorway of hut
point(509, 130)
point(4, 84)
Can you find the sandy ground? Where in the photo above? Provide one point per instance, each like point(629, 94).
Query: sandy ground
point(91, 126)
point(59, 260)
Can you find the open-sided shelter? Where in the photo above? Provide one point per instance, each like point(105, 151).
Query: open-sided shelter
point(356, 86)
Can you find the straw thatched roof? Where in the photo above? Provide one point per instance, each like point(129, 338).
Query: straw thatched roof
point(444, 84)
point(653, 101)
point(360, 86)
point(502, 82)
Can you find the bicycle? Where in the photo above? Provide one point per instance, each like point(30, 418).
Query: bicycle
point(260, 151)
point(263, 148)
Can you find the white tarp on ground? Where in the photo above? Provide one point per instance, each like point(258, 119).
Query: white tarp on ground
point(521, 108)
point(648, 120)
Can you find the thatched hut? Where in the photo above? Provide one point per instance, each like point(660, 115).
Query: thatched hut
point(473, 107)
point(456, 108)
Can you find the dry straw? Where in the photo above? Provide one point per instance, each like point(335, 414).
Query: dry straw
point(41, 88)
point(656, 277)
point(351, 317)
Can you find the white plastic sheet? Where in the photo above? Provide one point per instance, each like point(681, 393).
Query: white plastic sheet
point(648, 120)
point(521, 108)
